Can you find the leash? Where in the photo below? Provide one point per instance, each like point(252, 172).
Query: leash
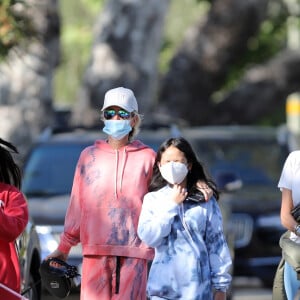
point(13, 292)
point(30, 287)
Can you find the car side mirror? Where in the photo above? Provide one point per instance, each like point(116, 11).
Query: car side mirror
point(228, 181)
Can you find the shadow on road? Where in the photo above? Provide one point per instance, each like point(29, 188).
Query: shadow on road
point(244, 288)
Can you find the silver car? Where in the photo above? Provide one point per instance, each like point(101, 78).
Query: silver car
point(29, 253)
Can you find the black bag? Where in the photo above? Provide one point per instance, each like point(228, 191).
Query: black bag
point(58, 281)
point(195, 195)
point(296, 213)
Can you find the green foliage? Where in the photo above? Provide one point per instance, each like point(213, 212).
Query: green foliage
point(15, 26)
point(78, 18)
point(270, 39)
point(176, 25)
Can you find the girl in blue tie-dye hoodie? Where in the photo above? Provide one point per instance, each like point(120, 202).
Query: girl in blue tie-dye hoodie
point(192, 259)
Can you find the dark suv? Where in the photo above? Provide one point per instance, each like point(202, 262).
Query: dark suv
point(48, 175)
point(256, 155)
point(47, 180)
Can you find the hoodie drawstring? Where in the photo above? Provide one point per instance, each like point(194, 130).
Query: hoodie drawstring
point(118, 269)
point(186, 227)
point(123, 168)
point(117, 171)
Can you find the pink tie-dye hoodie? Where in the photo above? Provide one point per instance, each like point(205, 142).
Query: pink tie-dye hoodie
point(106, 200)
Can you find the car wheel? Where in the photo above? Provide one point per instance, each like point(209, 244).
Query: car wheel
point(32, 293)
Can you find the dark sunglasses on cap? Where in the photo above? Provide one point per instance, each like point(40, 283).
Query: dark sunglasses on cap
point(110, 113)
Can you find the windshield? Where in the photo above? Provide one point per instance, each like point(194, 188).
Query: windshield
point(50, 169)
point(256, 162)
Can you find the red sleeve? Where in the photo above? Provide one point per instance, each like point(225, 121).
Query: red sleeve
point(13, 213)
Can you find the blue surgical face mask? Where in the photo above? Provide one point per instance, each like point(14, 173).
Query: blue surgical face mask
point(117, 128)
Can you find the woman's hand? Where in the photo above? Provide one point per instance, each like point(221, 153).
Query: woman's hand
point(57, 254)
point(179, 193)
point(205, 189)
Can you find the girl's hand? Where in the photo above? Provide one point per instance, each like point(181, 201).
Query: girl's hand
point(219, 295)
point(205, 189)
point(179, 193)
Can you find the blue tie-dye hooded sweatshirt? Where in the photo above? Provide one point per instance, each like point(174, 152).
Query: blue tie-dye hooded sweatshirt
point(191, 254)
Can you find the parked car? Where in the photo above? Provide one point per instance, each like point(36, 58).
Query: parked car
point(28, 249)
point(47, 181)
point(48, 175)
point(256, 155)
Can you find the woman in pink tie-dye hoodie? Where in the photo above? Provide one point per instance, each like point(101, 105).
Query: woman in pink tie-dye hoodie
point(111, 179)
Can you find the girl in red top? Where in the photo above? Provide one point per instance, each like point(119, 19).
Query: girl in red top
point(13, 220)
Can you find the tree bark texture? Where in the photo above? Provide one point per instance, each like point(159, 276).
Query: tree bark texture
point(203, 61)
point(126, 46)
point(26, 78)
point(262, 92)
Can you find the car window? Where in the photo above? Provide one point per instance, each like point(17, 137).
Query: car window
point(154, 144)
point(50, 169)
point(256, 162)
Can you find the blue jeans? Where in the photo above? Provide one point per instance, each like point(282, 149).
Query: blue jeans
point(291, 283)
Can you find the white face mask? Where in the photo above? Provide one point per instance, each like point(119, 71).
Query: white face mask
point(173, 172)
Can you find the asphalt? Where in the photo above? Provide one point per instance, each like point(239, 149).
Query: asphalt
point(244, 289)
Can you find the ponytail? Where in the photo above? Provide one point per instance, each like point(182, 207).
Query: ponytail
point(10, 172)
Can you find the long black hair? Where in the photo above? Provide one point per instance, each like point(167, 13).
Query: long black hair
point(197, 172)
point(10, 172)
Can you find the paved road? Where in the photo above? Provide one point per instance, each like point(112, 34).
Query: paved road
point(250, 289)
point(244, 289)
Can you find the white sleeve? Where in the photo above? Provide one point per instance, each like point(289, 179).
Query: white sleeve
point(156, 219)
point(286, 178)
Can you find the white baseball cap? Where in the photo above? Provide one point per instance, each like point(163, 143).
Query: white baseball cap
point(121, 97)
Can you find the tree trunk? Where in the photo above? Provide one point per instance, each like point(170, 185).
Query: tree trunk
point(26, 79)
point(202, 62)
point(125, 51)
point(262, 92)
